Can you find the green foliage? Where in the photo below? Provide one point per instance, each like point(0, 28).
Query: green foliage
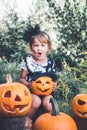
point(71, 82)
point(71, 30)
point(71, 23)
point(12, 47)
point(68, 87)
point(9, 68)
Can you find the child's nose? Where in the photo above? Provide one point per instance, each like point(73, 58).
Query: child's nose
point(39, 47)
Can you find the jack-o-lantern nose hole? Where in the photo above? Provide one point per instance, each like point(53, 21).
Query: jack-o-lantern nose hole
point(17, 98)
point(80, 102)
point(8, 94)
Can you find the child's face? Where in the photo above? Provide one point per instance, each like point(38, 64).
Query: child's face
point(39, 49)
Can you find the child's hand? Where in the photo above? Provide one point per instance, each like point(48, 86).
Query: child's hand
point(30, 85)
point(54, 86)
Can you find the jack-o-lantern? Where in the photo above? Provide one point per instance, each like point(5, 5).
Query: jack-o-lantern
point(15, 99)
point(42, 86)
point(79, 105)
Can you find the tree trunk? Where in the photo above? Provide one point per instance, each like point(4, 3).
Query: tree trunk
point(16, 123)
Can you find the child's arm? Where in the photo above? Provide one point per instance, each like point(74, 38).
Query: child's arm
point(23, 75)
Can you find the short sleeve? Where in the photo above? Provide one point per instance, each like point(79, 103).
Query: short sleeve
point(23, 65)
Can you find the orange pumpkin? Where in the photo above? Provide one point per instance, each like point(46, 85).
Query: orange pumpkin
point(54, 121)
point(42, 86)
point(15, 99)
point(79, 105)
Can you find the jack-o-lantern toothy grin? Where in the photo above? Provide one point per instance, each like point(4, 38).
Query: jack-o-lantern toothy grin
point(42, 86)
point(14, 106)
point(43, 90)
point(83, 114)
point(8, 107)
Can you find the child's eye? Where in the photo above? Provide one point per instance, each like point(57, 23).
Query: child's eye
point(36, 45)
point(43, 44)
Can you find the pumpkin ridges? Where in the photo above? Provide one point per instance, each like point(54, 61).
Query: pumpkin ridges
point(79, 105)
point(19, 85)
point(71, 121)
point(61, 122)
point(38, 89)
point(15, 99)
point(54, 120)
point(40, 121)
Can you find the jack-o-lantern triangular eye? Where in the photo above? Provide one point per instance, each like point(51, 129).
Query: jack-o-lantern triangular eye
point(47, 82)
point(8, 94)
point(39, 82)
point(80, 102)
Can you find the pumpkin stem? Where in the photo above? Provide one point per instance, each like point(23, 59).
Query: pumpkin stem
point(55, 108)
point(9, 78)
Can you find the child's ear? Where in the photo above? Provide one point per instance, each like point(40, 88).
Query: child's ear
point(48, 52)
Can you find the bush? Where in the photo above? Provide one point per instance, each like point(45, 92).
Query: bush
point(11, 68)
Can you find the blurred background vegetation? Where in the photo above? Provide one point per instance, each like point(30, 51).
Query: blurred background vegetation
point(67, 26)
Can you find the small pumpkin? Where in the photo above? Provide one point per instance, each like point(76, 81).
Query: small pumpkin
point(42, 86)
point(15, 99)
point(55, 121)
point(79, 105)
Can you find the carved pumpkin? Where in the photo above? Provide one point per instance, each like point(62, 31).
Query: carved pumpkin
point(55, 121)
point(79, 105)
point(15, 99)
point(42, 86)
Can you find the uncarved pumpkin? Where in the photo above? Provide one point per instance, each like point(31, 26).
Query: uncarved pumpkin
point(79, 105)
point(54, 121)
point(15, 99)
point(42, 86)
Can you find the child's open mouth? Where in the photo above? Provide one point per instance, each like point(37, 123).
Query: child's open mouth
point(39, 54)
